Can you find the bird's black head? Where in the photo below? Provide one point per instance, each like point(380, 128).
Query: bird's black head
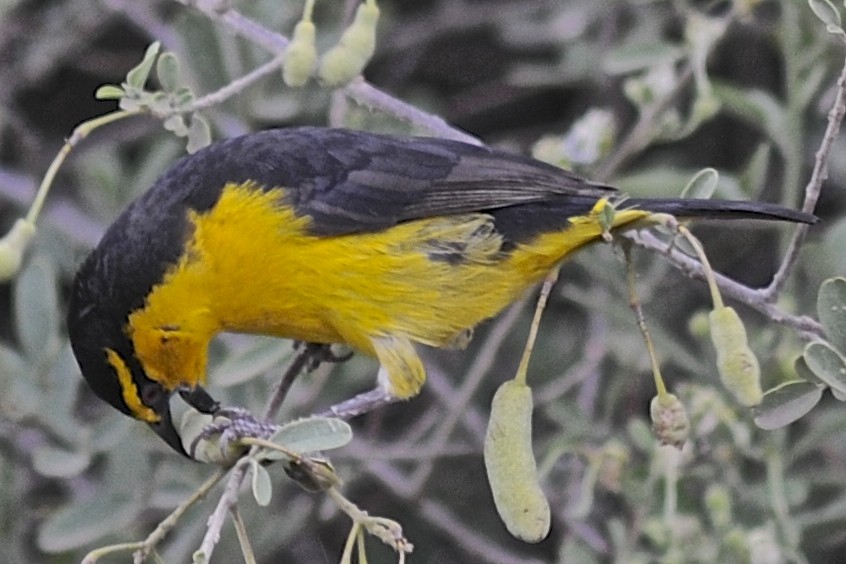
point(97, 317)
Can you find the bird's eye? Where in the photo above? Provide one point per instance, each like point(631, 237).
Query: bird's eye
point(152, 394)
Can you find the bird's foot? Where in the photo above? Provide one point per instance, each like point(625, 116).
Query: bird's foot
point(318, 353)
point(237, 423)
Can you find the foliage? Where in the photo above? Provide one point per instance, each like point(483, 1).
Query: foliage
point(641, 95)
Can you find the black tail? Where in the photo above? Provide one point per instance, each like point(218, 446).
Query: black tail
point(720, 209)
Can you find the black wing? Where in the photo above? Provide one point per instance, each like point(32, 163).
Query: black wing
point(351, 181)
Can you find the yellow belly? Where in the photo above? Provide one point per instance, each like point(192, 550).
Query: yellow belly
point(251, 267)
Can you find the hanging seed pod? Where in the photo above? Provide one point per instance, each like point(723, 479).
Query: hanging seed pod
point(12, 247)
point(300, 56)
point(510, 464)
point(737, 364)
point(346, 60)
point(669, 420)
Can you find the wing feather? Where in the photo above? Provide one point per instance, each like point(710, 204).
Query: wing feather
point(353, 181)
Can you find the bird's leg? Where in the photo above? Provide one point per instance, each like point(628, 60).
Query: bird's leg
point(360, 404)
point(365, 402)
point(318, 353)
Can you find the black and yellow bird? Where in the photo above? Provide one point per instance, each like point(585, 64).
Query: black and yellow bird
point(329, 236)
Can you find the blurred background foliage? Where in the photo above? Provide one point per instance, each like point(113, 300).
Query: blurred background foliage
point(750, 86)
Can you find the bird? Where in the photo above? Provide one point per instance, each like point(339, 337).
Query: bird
point(384, 243)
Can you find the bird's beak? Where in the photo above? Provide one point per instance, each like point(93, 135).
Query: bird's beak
point(165, 429)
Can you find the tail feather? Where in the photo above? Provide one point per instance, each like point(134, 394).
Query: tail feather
point(720, 209)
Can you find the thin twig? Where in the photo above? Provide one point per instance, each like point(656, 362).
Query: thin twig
point(233, 485)
point(640, 318)
point(291, 373)
point(227, 501)
point(243, 536)
point(359, 90)
point(812, 190)
point(236, 86)
point(749, 296)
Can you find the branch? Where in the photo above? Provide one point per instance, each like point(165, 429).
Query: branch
point(360, 90)
point(224, 506)
point(239, 472)
point(812, 189)
point(756, 299)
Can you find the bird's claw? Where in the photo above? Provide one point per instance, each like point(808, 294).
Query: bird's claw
point(238, 423)
point(319, 353)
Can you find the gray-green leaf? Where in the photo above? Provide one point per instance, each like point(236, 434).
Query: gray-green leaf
point(826, 12)
point(787, 403)
point(167, 71)
point(81, 524)
point(262, 487)
point(311, 435)
point(137, 77)
point(702, 185)
point(37, 308)
point(827, 364)
point(199, 133)
point(54, 462)
point(831, 309)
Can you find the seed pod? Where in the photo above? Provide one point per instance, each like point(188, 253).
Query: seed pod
point(510, 464)
point(12, 247)
point(300, 56)
point(669, 420)
point(737, 364)
point(206, 449)
point(346, 60)
point(316, 475)
point(741, 375)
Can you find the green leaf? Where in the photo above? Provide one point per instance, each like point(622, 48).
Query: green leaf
point(826, 12)
point(199, 134)
point(702, 185)
point(311, 435)
point(109, 92)
point(787, 403)
point(827, 364)
point(167, 71)
point(262, 487)
point(37, 308)
point(137, 77)
point(54, 462)
point(831, 309)
point(83, 523)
